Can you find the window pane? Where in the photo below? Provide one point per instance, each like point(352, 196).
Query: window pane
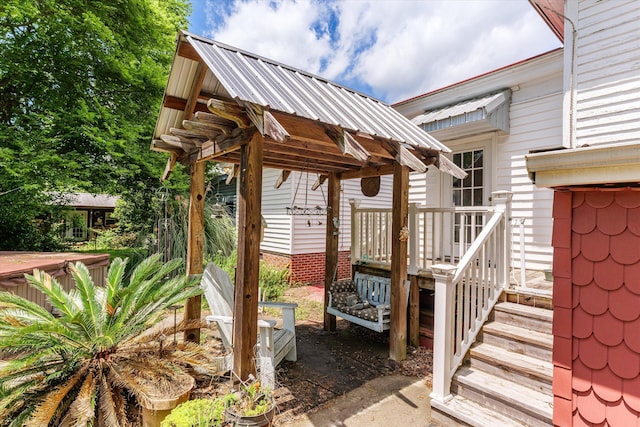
point(477, 178)
point(477, 197)
point(467, 160)
point(457, 183)
point(457, 159)
point(456, 198)
point(478, 158)
point(466, 198)
point(467, 181)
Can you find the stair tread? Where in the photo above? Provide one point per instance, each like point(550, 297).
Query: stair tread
point(513, 361)
point(474, 414)
point(509, 392)
point(525, 310)
point(507, 330)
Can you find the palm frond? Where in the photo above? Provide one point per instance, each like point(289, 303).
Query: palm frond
point(111, 405)
point(82, 409)
point(53, 291)
point(92, 319)
point(51, 401)
point(115, 277)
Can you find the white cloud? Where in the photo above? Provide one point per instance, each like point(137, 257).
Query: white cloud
point(392, 49)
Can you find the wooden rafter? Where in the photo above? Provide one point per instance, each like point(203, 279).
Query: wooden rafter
point(406, 158)
point(321, 179)
point(229, 110)
point(202, 128)
point(171, 162)
point(349, 145)
point(223, 125)
point(368, 172)
point(282, 179)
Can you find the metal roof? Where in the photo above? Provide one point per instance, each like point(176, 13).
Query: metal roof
point(247, 77)
point(470, 109)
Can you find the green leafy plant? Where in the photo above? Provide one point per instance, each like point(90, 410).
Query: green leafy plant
point(82, 365)
point(251, 400)
point(197, 413)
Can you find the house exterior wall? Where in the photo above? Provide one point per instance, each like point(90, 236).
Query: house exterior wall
point(605, 64)
point(299, 240)
point(535, 123)
point(596, 326)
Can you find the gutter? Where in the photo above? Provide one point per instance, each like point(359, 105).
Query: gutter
point(607, 164)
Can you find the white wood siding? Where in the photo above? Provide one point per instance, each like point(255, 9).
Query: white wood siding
point(277, 235)
point(535, 123)
point(608, 72)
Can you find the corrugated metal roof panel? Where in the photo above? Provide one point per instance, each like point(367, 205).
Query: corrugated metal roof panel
point(250, 78)
point(461, 108)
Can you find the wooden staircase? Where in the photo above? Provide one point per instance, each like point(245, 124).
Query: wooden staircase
point(506, 377)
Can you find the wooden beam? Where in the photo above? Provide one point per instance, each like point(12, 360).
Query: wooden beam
point(282, 179)
point(201, 128)
point(234, 173)
point(229, 110)
point(195, 245)
point(245, 326)
point(183, 133)
point(274, 129)
point(331, 248)
point(196, 87)
point(223, 125)
point(162, 147)
point(173, 158)
point(321, 179)
point(349, 145)
point(174, 102)
point(399, 237)
point(406, 158)
point(187, 51)
point(368, 172)
point(287, 150)
point(175, 141)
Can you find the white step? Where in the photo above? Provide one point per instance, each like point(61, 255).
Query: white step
point(530, 371)
point(533, 408)
point(524, 316)
point(460, 411)
point(518, 340)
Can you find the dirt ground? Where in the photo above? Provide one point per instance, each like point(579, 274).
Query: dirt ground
point(331, 364)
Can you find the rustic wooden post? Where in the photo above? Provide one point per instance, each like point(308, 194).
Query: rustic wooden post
point(331, 248)
point(245, 311)
point(399, 237)
point(195, 244)
point(414, 312)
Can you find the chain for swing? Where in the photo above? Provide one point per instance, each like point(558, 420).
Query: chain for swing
point(306, 210)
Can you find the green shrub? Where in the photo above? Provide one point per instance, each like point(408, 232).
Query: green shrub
point(196, 413)
point(273, 281)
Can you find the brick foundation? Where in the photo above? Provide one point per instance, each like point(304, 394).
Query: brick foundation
point(308, 268)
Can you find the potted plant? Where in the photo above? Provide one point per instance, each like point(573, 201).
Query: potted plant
point(95, 362)
point(252, 405)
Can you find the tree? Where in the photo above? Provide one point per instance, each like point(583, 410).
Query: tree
point(80, 87)
point(81, 364)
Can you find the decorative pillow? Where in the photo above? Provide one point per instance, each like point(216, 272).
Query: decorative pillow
point(345, 299)
point(345, 285)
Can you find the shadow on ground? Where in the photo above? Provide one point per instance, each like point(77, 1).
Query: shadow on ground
point(332, 364)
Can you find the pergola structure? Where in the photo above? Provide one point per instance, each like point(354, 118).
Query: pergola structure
point(225, 105)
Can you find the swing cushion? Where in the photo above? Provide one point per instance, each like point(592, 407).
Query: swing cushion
point(346, 299)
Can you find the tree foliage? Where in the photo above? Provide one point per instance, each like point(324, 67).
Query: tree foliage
point(80, 87)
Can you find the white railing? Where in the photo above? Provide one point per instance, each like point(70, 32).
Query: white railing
point(436, 235)
point(466, 293)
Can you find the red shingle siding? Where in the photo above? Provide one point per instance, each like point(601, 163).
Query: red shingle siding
point(604, 265)
point(309, 268)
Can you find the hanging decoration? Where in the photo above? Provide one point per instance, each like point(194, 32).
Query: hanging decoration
point(306, 210)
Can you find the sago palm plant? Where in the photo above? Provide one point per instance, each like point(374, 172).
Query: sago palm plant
point(82, 365)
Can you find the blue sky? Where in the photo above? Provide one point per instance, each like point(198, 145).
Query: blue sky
point(389, 49)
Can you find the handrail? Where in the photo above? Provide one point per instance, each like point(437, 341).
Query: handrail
point(466, 293)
